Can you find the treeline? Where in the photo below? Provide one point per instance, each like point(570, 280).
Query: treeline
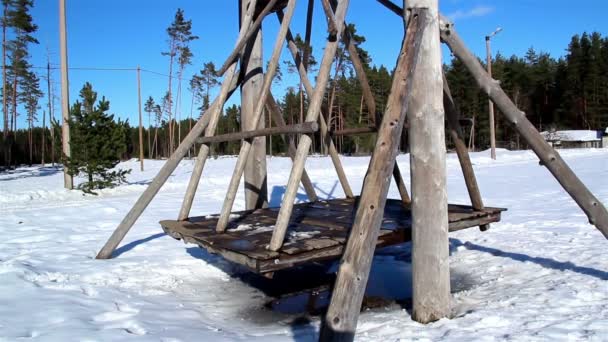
point(566, 93)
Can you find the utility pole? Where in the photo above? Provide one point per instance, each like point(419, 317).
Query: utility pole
point(68, 181)
point(141, 131)
point(490, 103)
point(49, 93)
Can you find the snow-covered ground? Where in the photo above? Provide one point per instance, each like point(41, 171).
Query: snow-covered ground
point(540, 274)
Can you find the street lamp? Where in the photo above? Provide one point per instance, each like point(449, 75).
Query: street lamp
point(490, 104)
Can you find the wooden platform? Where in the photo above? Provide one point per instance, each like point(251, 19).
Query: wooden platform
point(317, 232)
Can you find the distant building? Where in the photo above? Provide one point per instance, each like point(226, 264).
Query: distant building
point(577, 138)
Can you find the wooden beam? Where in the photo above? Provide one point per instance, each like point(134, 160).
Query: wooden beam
point(68, 181)
point(341, 320)
point(462, 151)
point(238, 49)
point(354, 131)
point(246, 145)
point(160, 179)
point(550, 158)
point(252, 64)
point(203, 152)
point(303, 128)
point(275, 113)
point(333, 152)
point(312, 115)
point(430, 246)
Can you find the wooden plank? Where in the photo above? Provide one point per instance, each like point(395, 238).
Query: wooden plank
point(303, 128)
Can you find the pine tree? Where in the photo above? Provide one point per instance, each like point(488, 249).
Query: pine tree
point(97, 142)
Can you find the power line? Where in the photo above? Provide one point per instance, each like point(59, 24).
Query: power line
point(100, 69)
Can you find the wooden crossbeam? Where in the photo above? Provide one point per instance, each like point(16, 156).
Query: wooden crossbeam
point(259, 109)
point(303, 128)
point(341, 319)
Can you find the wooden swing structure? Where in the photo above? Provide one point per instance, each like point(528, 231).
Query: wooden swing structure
point(270, 239)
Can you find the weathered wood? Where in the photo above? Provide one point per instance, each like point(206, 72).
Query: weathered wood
point(341, 319)
point(318, 232)
point(160, 179)
point(238, 49)
point(333, 152)
point(329, 13)
point(214, 116)
point(255, 184)
point(462, 151)
point(430, 246)
point(593, 208)
point(275, 113)
point(353, 131)
point(68, 181)
point(312, 115)
point(303, 128)
point(392, 7)
point(246, 145)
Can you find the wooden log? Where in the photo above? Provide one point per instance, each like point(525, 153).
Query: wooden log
point(303, 128)
point(204, 150)
point(329, 13)
point(252, 63)
point(341, 320)
point(455, 131)
point(238, 49)
point(246, 145)
point(593, 208)
point(160, 179)
point(312, 115)
point(430, 246)
point(275, 113)
point(333, 152)
point(392, 7)
point(354, 131)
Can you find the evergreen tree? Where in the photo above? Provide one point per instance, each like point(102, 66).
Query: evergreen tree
point(97, 142)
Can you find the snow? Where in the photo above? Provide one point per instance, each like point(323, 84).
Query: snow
point(540, 274)
point(572, 135)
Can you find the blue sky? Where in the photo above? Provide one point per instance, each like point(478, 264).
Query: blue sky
point(127, 33)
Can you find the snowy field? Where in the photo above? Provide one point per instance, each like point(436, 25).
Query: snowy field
point(539, 275)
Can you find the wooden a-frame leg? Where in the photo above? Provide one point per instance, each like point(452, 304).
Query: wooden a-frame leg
point(312, 115)
point(333, 152)
point(341, 320)
point(593, 208)
point(273, 109)
point(214, 116)
point(462, 151)
point(259, 109)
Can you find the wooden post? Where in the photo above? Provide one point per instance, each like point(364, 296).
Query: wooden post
point(314, 109)
point(333, 152)
point(68, 182)
point(490, 104)
point(341, 320)
point(248, 160)
point(141, 129)
point(203, 151)
point(275, 113)
point(256, 192)
point(430, 246)
point(162, 176)
point(593, 208)
point(456, 133)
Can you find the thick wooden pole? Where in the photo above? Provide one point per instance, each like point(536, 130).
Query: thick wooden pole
point(160, 179)
point(256, 192)
point(333, 152)
point(430, 246)
point(141, 127)
point(302, 128)
point(203, 151)
point(550, 158)
point(247, 160)
point(341, 320)
point(68, 182)
point(314, 109)
point(457, 136)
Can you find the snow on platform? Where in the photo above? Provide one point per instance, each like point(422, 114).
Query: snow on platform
point(540, 274)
